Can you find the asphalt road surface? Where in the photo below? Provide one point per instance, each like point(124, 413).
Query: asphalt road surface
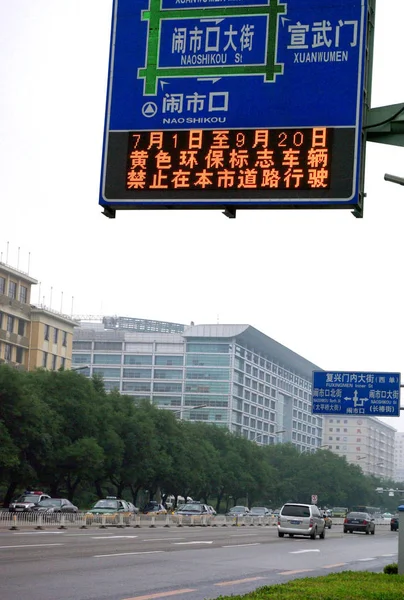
point(194, 563)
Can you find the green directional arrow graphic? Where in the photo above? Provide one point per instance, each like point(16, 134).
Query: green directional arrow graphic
point(156, 14)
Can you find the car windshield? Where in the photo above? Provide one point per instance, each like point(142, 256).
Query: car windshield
point(192, 508)
point(357, 515)
point(237, 509)
point(106, 504)
point(50, 502)
point(258, 509)
point(295, 510)
point(32, 498)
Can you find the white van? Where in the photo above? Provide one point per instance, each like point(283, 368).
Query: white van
point(301, 519)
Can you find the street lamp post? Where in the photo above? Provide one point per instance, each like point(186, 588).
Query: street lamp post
point(181, 411)
point(259, 435)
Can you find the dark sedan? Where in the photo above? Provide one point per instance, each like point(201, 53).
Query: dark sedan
point(55, 505)
point(359, 521)
point(394, 523)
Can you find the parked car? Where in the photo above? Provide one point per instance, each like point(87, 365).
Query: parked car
point(394, 523)
point(359, 521)
point(238, 511)
point(154, 508)
point(55, 505)
point(201, 513)
point(27, 501)
point(110, 506)
point(301, 519)
point(134, 509)
point(212, 510)
point(259, 511)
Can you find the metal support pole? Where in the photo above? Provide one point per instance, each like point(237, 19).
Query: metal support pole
point(401, 539)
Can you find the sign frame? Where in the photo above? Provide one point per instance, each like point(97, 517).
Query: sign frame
point(113, 194)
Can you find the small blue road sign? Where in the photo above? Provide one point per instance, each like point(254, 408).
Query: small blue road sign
point(243, 103)
point(356, 393)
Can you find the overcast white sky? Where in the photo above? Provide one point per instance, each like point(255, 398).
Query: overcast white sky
point(323, 283)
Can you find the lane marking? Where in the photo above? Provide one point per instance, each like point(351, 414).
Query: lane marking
point(126, 554)
point(333, 566)
point(241, 545)
point(162, 594)
point(244, 535)
point(161, 539)
point(37, 532)
point(189, 543)
point(114, 537)
point(294, 572)
point(388, 555)
point(237, 581)
point(304, 551)
point(365, 559)
point(29, 546)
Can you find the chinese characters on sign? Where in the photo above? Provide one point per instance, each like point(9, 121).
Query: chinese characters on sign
point(351, 393)
point(229, 159)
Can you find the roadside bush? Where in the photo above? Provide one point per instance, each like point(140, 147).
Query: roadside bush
point(391, 569)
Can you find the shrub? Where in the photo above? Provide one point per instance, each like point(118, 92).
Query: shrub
point(391, 569)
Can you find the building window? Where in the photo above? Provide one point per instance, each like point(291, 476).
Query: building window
point(2, 285)
point(19, 355)
point(7, 352)
point(64, 338)
point(46, 334)
point(63, 362)
point(55, 335)
point(1, 319)
point(12, 290)
point(21, 327)
point(23, 294)
point(45, 359)
point(54, 361)
point(10, 324)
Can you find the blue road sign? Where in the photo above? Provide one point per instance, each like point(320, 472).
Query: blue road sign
point(282, 80)
point(356, 393)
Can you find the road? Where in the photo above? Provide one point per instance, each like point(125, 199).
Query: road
point(189, 562)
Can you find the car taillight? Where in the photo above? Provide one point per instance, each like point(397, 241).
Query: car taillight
point(365, 522)
point(279, 520)
point(311, 522)
point(345, 520)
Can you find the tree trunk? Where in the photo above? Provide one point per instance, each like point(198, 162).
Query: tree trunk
point(10, 493)
point(219, 501)
point(98, 489)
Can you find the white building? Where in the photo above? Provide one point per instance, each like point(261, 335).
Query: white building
point(231, 375)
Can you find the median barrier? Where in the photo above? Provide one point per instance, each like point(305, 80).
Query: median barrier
point(83, 520)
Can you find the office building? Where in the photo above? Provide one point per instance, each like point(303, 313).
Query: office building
point(232, 375)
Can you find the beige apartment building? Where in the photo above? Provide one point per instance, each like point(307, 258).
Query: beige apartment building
point(31, 336)
point(364, 441)
point(399, 457)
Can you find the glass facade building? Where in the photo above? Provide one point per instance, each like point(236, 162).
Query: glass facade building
point(231, 375)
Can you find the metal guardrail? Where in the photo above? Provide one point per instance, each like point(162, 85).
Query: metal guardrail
point(13, 521)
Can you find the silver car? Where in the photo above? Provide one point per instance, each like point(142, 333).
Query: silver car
point(301, 519)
